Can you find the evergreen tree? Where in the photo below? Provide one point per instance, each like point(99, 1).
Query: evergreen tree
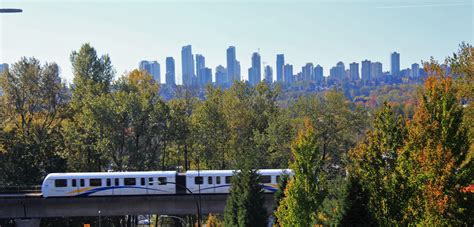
point(374, 163)
point(280, 194)
point(307, 189)
point(356, 206)
point(244, 206)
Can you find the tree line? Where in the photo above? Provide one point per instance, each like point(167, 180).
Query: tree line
point(372, 165)
point(408, 169)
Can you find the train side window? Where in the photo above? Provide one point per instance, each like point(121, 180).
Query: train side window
point(198, 180)
point(109, 182)
point(74, 183)
point(117, 182)
point(82, 181)
point(228, 179)
point(278, 179)
point(129, 181)
point(209, 180)
point(150, 181)
point(142, 181)
point(60, 183)
point(162, 181)
point(95, 182)
point(218, 180)
point(265, 179)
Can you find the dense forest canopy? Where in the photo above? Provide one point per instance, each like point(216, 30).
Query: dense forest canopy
point(395, 154)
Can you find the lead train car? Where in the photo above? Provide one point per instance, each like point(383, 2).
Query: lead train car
point(149, 183)
point(108, 183)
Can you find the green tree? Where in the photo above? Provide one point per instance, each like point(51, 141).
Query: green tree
point(181, 110)
point(127, 126)
point(462, 65)
point(244, 206)
point(434, 159)
point(280, 193)
point(33, 104)
point(338, 125)
point(356, 206)
point(210, 130)
point(374, 163)
point(92, 74)
point(307, 189)
point(92, 79)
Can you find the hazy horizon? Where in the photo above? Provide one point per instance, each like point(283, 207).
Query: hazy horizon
point(319, 32)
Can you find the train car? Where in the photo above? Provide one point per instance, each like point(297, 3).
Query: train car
point(109, 183)
point(219, 181)
point(150, 182)
point(209, 181)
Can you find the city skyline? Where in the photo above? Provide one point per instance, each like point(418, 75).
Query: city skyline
point(326, 43)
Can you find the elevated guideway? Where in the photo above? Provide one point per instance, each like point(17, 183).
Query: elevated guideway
point(33, 205)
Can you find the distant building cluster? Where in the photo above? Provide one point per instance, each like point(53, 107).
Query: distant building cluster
point(153, 68)
point(194, 71)
point(3, 67)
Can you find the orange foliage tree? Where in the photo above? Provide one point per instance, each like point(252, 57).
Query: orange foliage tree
point(433, 159)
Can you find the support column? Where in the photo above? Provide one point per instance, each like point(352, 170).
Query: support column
point(27, 222)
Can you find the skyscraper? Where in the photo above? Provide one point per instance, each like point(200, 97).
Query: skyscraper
point(205, 76)
point(156, 71)
point(318, 75)
point(415, 71)
point(3, 67)
point(153, 68)
point(251, 74)
point(307, 72)
point(187, 65)
point(221, 75)
point(337, 72)
point(268, 74)
point(288, 73)
point(340, 69)
point(280, 62)
point(366, 70)
point(232, 62)
point(200, 64)
point(170, 71)
point(395, 64)
point(255, 72)
point(237, 71)
point(354, 71)
point(376, 72)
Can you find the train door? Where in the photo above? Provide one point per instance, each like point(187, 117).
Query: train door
point(180, 182)
point(218, 184)
point(116, 188)
point(108, 185)
point(210, 187)
point(152, 185)
point(75, 187)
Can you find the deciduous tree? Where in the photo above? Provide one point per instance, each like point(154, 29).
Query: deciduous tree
point(307, 189)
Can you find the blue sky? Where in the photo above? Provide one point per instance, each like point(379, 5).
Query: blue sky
point(322, 32)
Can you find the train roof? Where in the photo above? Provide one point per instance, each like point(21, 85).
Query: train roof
point(112, 174)
point(231, 172)
point(160, 173)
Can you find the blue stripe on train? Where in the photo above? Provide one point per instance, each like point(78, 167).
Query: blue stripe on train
point(94, 190)
point(269, 188)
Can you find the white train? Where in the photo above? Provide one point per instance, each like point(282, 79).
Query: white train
point(150, 182)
